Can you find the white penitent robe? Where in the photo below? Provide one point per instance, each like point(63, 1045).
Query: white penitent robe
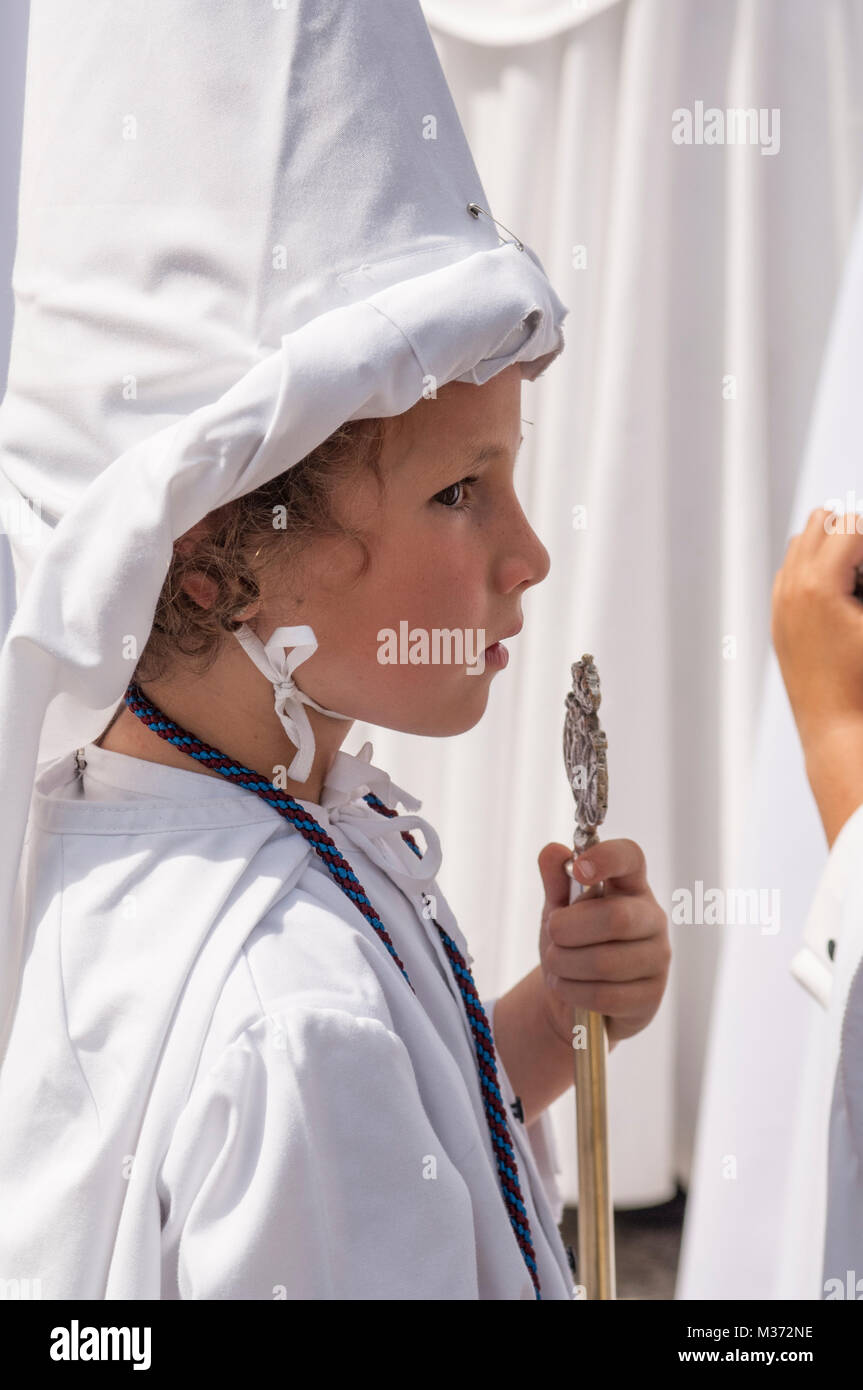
point(830, 965)
point(219, 1084)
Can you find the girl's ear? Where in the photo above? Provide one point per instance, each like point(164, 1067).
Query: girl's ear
point(200, 588)
point(203, 590)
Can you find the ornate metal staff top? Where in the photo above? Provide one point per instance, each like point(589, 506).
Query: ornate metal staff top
point(585, 750)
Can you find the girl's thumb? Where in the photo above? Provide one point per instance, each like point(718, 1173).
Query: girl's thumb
point(555, 879)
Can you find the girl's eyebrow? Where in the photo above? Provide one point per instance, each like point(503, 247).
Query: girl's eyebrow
point(444, 467)
point(491, 451)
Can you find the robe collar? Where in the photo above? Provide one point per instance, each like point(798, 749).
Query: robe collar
point(348, 779)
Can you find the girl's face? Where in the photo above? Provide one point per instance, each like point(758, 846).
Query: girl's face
point(450, 550)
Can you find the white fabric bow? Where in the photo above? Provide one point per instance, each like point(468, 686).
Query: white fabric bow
point(289, 699)
point(349, 777)
point(380, 837)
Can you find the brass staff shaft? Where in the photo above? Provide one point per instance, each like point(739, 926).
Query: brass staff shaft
point(596, 1270)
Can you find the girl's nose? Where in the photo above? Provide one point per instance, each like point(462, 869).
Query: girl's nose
point(543, 559)
point(527, 561)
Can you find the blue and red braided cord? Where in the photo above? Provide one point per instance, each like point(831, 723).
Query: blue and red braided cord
point(292, 811)
point(341, 871)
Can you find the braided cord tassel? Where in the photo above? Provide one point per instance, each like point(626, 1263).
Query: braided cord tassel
point(344, 876)
point(493, 1101)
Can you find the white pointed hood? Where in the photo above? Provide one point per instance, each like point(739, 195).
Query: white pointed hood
point(241, 224)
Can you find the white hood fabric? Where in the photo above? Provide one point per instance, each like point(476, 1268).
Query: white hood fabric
point(240, 225)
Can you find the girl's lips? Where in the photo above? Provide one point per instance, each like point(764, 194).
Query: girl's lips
point(496, 655)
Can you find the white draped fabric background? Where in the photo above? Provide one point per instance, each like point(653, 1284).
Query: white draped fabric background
point(13, 52)
point(769, 1038)
point(699, 264)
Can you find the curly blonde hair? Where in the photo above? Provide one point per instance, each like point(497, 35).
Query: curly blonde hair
point(243, 538)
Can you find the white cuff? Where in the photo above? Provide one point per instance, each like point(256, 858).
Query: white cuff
point(812, 966)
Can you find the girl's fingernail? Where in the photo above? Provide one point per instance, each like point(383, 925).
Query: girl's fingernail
point(585, 868)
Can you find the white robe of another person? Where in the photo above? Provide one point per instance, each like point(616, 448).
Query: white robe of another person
point(219, 1084)
point(830, 965)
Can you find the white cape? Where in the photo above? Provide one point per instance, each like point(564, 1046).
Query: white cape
point(219, 1084)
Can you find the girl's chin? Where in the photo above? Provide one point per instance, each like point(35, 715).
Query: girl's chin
point(458, 720)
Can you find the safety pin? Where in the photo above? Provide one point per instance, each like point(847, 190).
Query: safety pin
point(474, 209)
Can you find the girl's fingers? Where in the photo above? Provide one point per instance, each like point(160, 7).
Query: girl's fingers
point(616, 961)
point(620, 1001)
point(624, 918)
point(618, 862)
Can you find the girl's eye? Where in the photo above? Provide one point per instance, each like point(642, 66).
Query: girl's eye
point(447, 492)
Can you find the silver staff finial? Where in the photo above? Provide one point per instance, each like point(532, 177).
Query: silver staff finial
point(585, 749)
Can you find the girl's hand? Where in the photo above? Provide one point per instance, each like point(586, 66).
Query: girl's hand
point(610, 954)
point(817, 631)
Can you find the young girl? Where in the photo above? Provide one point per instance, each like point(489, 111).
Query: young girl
point(248, 1060)
point(244, 1055)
